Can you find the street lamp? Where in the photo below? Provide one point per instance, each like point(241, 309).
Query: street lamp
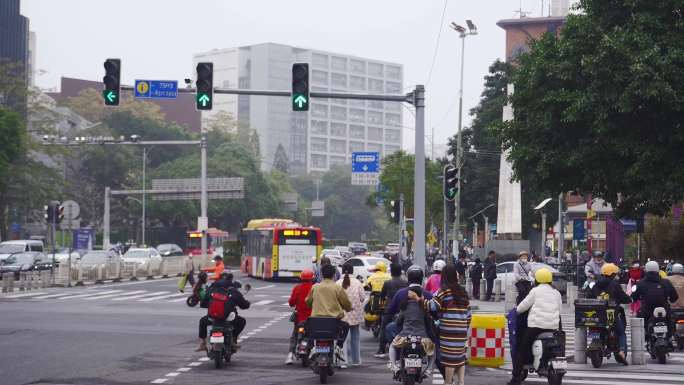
point(540, 208)
point(463, 33)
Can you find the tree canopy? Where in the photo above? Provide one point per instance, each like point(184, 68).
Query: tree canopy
point(598, 108)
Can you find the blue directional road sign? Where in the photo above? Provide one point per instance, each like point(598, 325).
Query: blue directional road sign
point(578, 229)
point(366, 162)
point(156, 89)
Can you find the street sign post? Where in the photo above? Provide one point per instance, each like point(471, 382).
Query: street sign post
point(156, 89)
point(365, 168)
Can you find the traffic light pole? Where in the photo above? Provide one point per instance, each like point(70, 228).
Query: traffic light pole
point(402, 226)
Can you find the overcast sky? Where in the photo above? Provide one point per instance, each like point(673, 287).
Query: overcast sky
point(156, 39)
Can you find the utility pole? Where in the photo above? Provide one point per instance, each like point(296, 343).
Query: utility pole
point(419, 178)
point(142, 225)
point(203, 222)
point(561, 230)
point(402, 227)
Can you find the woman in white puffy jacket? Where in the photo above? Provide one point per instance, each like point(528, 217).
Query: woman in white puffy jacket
point(544, 306)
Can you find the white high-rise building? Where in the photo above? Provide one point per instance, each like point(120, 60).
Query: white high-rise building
point(333, 128)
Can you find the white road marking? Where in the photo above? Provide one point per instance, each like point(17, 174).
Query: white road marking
point(91, 294)
point(115, 295)
point(626, 376)
point(183, 369)
point(162, 297)
point(285, 304)
point(159, 381)
point(264, 302)
point(593, 382)
point(203, 359)
point(285, 296)
point(178, 299)
point(195, 364)
point(138, 296)
point(172, 374)
point(262, 287)
point(52, 295)
point(24, 295)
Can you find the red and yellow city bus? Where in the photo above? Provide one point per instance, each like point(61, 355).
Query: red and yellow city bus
point(278, 248)
point(215, 239)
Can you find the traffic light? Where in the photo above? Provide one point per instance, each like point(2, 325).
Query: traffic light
point(59, 214)
point(112, 82)
point(300, 87)
point(49, 213)
point(396, 211)
point(205, 86)
point(450, 182)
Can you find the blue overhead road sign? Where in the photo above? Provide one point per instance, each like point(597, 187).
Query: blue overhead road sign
point(366, 162)
point(156, 89)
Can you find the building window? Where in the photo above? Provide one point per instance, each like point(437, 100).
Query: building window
point(357, 115)
point(338, 146)
point(319, 144)
point(393, 119)
point(336, 160)
point(319, 161)
point(357, 103)
point(338, 63)
point(338, 129)
point(338, 80)
point(375, 85)
point(319, 110)
point(374, 147)
point(375, 69)
point(357, 83)
point(356, 147)
point(393, 87)
point(320, 89)
point(338, 113)
point(374, 117)
point(392, 106)
point(393, 72)
point(319, 77)
point(375, 133)
point(357, 132)
point(392, 136)
point(375, 104)
point(319, 127)
point(319, 60)
point(357, 66)
point(391, 149)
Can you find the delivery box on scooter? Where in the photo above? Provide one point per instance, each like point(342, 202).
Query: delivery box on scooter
point(594, 312)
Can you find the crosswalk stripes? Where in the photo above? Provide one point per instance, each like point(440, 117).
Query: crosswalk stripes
point(113, 295)
point(167, 296)
point(94, 293)
point(263, 302)
point(51, 296)
point(24, 295)
point(126, 297)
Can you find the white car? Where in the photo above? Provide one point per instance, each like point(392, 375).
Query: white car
point(364, 266)
point(335, 256)
point(392, 248)
point(8, 248)
point(346, 251)
point(62, 256)
point(504, 272)
point(144, 257)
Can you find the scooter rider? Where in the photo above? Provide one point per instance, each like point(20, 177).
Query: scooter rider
point(217, 269)
point(607, 287)
point(302, 310)
point(434, 281)
point(236, 299)
point(653, 291)
point(544, 305)
point(677, 280)
point(389, 289)
point(593, 268)
point(328, 299)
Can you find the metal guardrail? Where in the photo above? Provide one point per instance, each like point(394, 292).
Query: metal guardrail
point(79, 274)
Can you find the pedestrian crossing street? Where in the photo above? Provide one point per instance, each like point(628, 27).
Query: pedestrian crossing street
point(140, 296)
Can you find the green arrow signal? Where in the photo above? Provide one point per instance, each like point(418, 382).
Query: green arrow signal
point(110, 96)
point(204, 99)
point(300, 101)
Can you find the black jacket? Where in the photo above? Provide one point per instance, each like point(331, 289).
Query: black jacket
point(489, 269)
point(237, 300)
point(461, 267)
point(476, 271)
point(612, 288)
point(653, 292)
point(390, 288)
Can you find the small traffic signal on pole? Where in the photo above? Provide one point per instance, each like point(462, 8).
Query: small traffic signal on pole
point(300, 87)
point(112, 82)
point(396, 211)
point(205, 86)
point(450, 182)
point(59, 214)
point(49, 213)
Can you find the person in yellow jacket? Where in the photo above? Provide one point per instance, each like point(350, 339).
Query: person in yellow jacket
point(374, 307)
point(378, 278)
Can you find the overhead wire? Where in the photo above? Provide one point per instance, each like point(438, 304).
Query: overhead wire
point(436, 50)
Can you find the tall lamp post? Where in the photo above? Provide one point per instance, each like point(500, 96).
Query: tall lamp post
point(463, 33)
point(540, 208)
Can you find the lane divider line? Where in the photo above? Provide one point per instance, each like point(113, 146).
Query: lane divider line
point(172, 374)
point(159, 381)
point(183, 369)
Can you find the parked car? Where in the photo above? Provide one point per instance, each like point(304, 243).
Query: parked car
point(358, 247)
point(334, 255)
point(99, 257)
point(8, 248)
point(62, 256)
point(25, 261)
point(170, 250)
point(392, 248)
point(364, 266)
point(504, 272)
point(144, 257)
point(346, 251)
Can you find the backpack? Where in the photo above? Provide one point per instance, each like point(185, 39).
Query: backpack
point(218, 301)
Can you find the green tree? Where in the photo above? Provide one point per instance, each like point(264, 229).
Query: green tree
point(280, 161)
point(598, 108)
point(12, 147)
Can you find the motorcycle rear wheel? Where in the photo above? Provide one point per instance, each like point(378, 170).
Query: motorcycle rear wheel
point(596, 357)
point(323, 374)
point(662, 357)
point(409, 379)
point(680, 343)
point(218, 360)
point(554, 378)
point(305, 361)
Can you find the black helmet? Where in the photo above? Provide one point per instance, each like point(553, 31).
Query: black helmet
point(414, 274)
point(218, 258)
point(202, 276)
point(227, 276)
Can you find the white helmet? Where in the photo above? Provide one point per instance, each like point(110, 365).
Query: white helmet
point(677, 268)
point(438, 265)
point(652, 266)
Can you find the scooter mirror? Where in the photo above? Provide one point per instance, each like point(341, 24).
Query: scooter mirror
point(591, 285)
point(247, 287)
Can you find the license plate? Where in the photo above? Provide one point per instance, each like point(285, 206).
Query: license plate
point(593, 336)
point(216, 339)
point(322, 349)
point(413, 362)
point(557, 364)
point(660, 329)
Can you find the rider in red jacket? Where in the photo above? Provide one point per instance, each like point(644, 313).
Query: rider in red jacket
point(302, 310)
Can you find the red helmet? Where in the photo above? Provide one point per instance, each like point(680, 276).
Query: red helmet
point(307, 275)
